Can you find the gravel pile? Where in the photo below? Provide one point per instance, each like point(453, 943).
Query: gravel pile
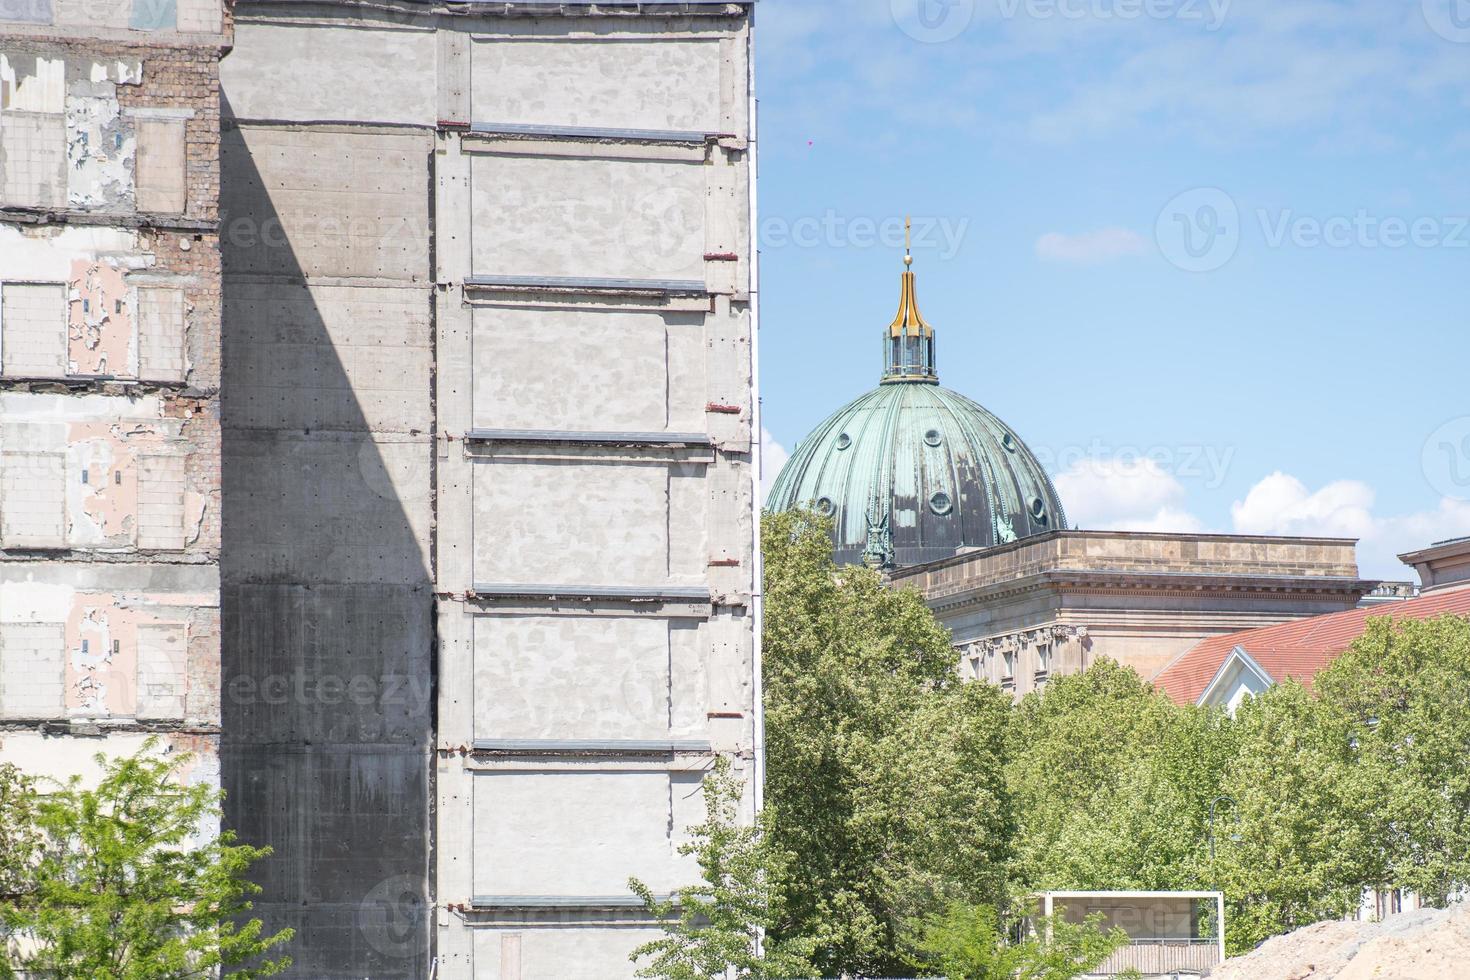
point(1428, 944)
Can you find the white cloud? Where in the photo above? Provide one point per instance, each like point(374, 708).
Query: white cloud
point(1090, 247)
point(773, 457)
point(1282, 504)
point(1124, 495)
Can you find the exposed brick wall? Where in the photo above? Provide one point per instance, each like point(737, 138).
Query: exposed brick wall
point(185, 78)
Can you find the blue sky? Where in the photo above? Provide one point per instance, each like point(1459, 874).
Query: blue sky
point(1209, 257)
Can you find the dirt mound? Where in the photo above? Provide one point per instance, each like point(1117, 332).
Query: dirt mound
point(1425, 945)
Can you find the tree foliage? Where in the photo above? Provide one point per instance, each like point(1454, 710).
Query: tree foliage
point(970, 942)
point(903, 794)
point(716, 930)
point(1403, 693)
point(129, 881)
point(1112, 781)
point(1303, 848)
point(885, 776)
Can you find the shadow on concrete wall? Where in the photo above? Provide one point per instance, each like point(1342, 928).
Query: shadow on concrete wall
point(326, 589)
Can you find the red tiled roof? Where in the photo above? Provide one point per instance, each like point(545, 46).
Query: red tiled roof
point(1299, 649)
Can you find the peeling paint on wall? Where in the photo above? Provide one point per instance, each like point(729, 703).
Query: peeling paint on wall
point(29, 83)
point(101, 339)
point(101, 148)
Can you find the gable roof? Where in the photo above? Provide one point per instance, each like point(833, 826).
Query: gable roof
point(1299, 649)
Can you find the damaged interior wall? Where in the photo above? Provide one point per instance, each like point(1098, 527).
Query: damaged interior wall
point(110, 502)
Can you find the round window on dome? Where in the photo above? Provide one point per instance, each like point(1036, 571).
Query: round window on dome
point(826, 507)
point(1038, 510)
point(941, 504)
point(844, 440)
point(933, 438)
point(1009, 442)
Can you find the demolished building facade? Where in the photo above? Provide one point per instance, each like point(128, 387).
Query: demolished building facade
point(110, 509)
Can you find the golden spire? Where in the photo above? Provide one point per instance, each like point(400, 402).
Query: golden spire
point(909, 322)
point(910, 341)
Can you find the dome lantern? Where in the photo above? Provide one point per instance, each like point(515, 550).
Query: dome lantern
point(908, 343)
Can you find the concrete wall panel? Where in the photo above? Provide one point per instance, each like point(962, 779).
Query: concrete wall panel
point(328, 357)
point(629, 219)
point(341, 507)
point(323, 73)
point(588, 370)
point(306, 203)
point(611, 522)
point(586, 953)
point(654, 83)
point(570, 677)
point(580, 833)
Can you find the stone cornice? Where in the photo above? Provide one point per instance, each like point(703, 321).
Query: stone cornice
point(1135, 583)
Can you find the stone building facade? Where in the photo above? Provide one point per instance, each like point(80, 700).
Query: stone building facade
point(488, 597)
point(1054, 604)
point(110, 511)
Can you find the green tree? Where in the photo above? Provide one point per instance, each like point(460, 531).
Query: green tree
point(969, 942)
point(130, 882)
point(1111, 782)
point(1404, 689)
point(1305, 847)
point(716, 930)
point(885, 774)
point(18, 835)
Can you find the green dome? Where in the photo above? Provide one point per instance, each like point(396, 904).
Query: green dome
point(912, 472)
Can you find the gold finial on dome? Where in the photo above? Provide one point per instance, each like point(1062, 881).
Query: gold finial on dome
point(910, 343)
